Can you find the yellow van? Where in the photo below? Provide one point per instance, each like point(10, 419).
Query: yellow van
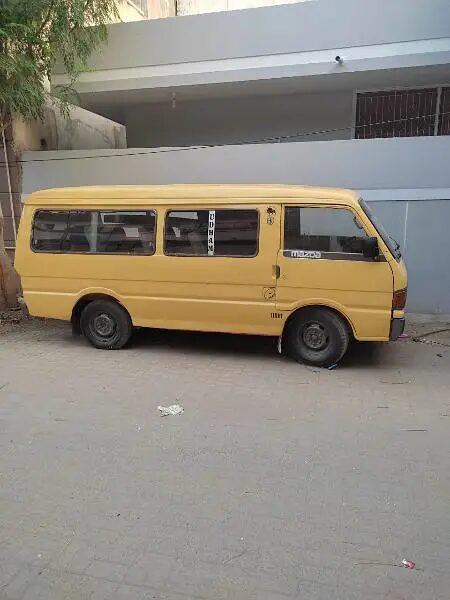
point(310, 265)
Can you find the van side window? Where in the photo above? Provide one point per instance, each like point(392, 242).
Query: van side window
point(49, 230)
point(77, 237)
point(323, 230)
point(94, 231)
point(215, 232)
point(126, 232)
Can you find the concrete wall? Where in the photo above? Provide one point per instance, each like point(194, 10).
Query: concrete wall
point(406, 180)
point(232, 120)
point(276, 49)
point(304, 26)
point(379, 164)
point(81, 130)
point(421, 228)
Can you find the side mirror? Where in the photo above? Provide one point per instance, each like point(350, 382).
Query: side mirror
point(370, 247)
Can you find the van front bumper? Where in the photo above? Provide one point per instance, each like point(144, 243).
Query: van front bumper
point(397, 328)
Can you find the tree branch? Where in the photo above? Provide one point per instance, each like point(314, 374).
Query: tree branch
point(86, 6)
point(5, 121)
point(47, 18)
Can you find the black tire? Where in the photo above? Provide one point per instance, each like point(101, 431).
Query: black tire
point(106, 325)
point(317, 336)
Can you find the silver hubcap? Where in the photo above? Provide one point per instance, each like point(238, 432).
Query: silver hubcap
point(314, 336)
point(104, 325)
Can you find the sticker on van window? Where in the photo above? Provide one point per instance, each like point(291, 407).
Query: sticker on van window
point(303, 254)
point(271, 216)
point(211, 230)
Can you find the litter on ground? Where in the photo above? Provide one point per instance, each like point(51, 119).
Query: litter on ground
point(173, 409)
point(408, 564)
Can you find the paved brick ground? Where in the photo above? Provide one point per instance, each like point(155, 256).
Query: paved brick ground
point(278, 481)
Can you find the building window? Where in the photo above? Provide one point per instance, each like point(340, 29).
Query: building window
point(141, 5)
point(213, 232)
point(310, 232)
point(402, 113)
point(94, 232)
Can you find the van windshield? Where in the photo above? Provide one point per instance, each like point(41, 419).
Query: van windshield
point(392, 244)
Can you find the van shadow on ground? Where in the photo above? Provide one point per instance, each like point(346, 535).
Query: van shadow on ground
point(358, 354)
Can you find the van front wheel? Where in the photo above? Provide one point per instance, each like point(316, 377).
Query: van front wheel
point(318, 337)
point(106, 325)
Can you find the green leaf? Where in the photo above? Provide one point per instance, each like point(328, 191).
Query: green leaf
point(34, 36)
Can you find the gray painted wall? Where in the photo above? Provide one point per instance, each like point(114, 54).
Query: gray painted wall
point(406, 179)
point(395, 163)
point(272, 30)
point(233, 120)
point(428, 254)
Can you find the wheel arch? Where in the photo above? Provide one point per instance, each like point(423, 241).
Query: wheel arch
point(337, 311)
point(86, 299)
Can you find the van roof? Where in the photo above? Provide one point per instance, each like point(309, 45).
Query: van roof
point(187, 194)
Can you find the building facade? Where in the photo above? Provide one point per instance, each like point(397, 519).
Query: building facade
point(196, 7)
point(137, 10)
point(352, 94)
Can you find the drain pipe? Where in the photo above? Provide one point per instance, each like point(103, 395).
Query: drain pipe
point(8, 177)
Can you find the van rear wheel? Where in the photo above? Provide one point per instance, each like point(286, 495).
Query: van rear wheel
point(106, 325)
point(318, 337)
